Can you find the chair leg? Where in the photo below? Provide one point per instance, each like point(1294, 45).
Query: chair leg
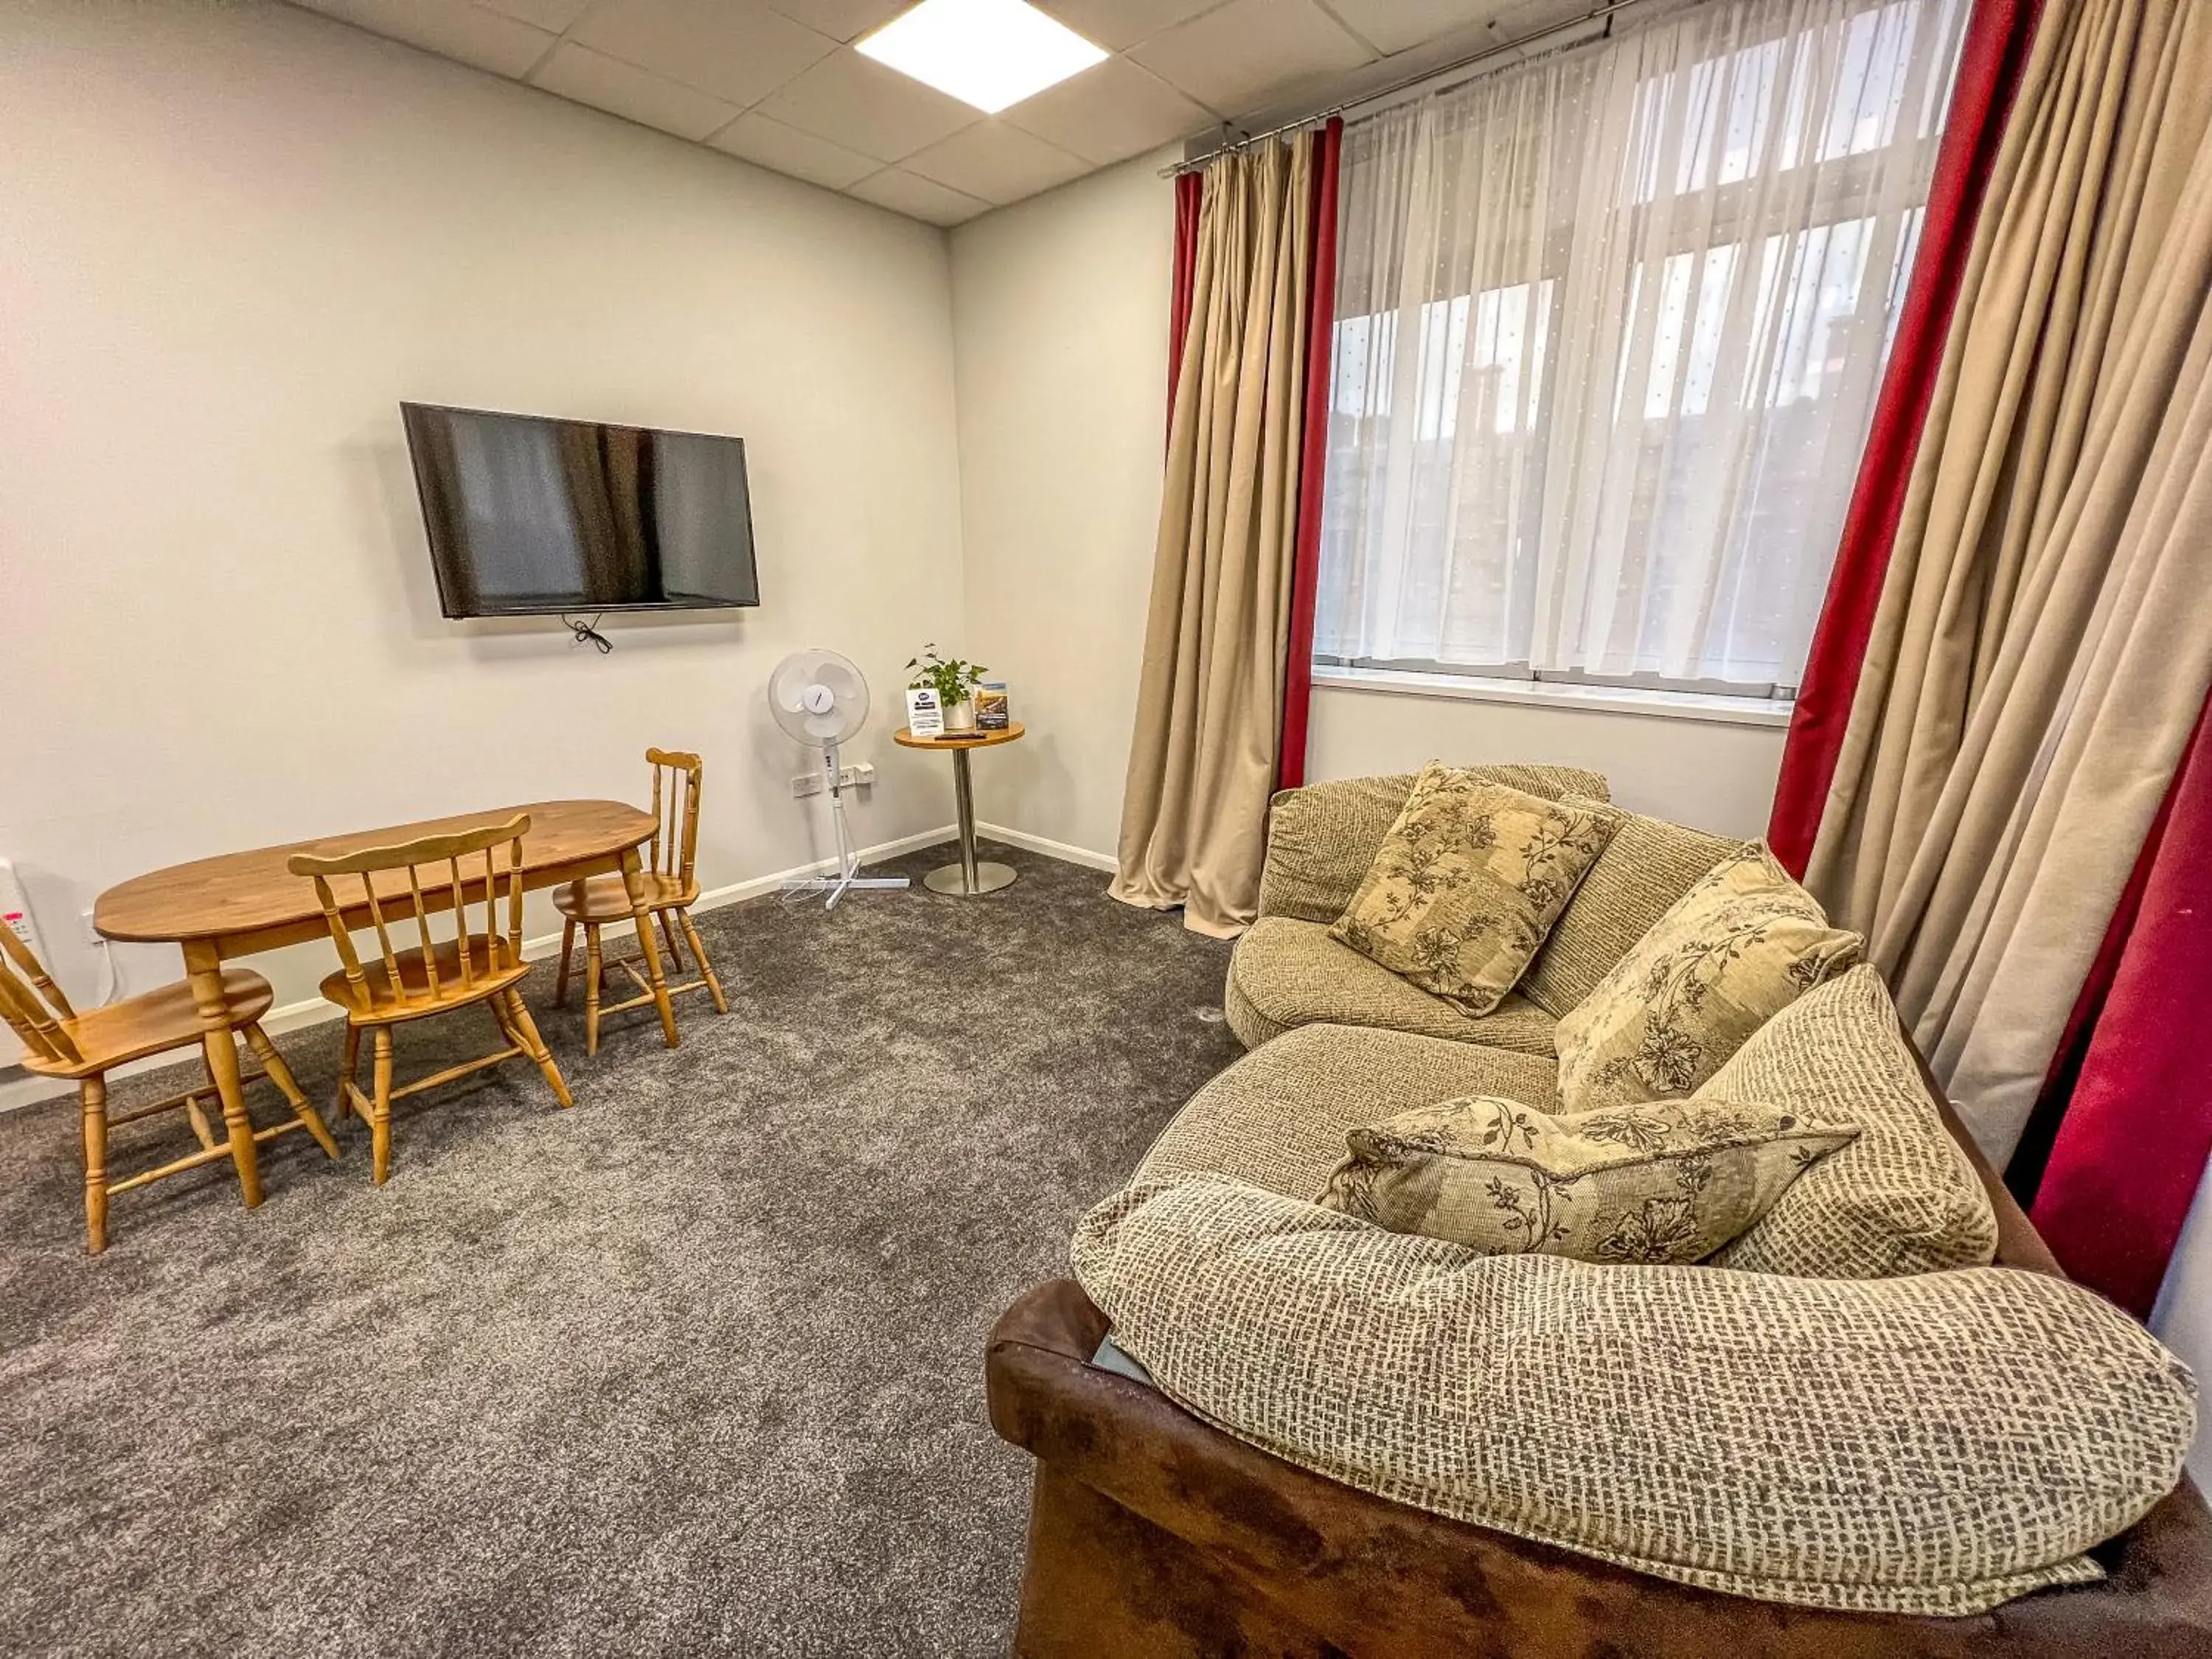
point(706, 967)
point(592, 964)
point(346, 1071)
point(93, 1092)
point(526, 1029)
point(288, 1085)
point(567, 949)
point(497, 1009)
point(380, 1109)
point(668, 932)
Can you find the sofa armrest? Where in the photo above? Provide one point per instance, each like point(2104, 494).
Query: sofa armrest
point(1322, 837)
point(1376, 1578)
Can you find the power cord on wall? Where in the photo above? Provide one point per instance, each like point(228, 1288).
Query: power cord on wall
point(587, 630)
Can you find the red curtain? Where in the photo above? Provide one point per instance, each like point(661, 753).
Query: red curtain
point(1991, 57)
point(2136, 1130)
point(1305, 562)
point(1190, 188)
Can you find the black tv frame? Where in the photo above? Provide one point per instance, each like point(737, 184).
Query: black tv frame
point(426, 481)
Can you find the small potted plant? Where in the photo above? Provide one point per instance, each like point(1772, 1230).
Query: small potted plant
point(953, 680)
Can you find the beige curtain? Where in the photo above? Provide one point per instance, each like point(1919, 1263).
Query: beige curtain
point(1210, 698)
point(2041, 648)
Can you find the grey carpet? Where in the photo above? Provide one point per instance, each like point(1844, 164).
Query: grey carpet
point(693, 1368)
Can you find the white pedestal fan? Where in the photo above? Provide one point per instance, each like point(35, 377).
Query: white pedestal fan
point(821, 698)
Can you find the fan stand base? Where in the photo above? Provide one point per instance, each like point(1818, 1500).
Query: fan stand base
point(847, 868)
point(838, 886)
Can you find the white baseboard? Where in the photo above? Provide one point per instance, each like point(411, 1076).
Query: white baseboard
point(1057, 849)
point(20, 1088)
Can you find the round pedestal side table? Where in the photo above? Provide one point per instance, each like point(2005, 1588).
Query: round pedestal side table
point(968, 875)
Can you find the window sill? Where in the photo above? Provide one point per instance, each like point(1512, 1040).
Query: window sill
point(1550, 694)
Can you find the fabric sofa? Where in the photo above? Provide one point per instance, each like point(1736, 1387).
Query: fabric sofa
point(1288, 972)
point(1155, 1533)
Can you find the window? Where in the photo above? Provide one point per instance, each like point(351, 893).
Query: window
point(1610, 326)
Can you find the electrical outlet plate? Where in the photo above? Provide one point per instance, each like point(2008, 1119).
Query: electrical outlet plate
point(15, 910)
point(859, 775)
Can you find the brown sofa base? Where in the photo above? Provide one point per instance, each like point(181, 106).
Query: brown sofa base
point(1156, 1536)
point(1102, 1580)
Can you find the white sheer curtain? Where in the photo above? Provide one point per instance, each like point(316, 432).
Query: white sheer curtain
point(1610, 326)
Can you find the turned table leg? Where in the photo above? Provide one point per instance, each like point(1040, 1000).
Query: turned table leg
point(203, 966)
point(633, 882)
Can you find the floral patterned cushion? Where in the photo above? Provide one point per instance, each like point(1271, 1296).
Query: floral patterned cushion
point(1468, 882)
point(1734, 950)
point(1671, 1181)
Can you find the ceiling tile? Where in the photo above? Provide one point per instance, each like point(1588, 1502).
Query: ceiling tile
point(554, 15)
point(619, 89)
point(1116, 24)
point(997, 163)
point(842, 20)
point(918, 198)
point(467, 34)
point(854, 101)
point(735, 50)
point(1251, 51)
point(1110, 112)
point(1393, 26)
point(757, 138)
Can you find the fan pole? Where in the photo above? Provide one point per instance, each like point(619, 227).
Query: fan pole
point(847, 875)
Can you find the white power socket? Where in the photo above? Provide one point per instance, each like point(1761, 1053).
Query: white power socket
point(15, 910)
point(859, 775)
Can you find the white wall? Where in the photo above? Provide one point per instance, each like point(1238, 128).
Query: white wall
point(1060, 311)
point(2183, 1318)
point(236, 237)
point(1715, 775)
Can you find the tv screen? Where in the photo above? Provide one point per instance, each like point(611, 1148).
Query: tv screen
point(533, 517)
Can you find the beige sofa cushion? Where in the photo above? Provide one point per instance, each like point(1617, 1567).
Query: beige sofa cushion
point(1658, 1182)
point(1902, 1198)
point(1645, 869)
point(1277, 1118)
point(1732, 952)
point(1934, 1445)
point(1286, 973)
point(1467, 883)
point(1322, 838)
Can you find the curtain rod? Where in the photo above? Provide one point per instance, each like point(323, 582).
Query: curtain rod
point(1395, 86)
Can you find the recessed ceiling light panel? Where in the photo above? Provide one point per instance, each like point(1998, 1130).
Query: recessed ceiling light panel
point(990, 53)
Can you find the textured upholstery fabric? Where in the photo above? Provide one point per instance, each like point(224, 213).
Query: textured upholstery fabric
point(1286, 973)
point(1644, 870)
point(1664, 1181)
point(1322, 838)
point(1734, 950)
point(1902, 1198)
point(1467, 883)
point(1277, 1118)
point(1936, 1444)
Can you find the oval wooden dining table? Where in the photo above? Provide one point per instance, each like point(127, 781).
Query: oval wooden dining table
point(240, 903)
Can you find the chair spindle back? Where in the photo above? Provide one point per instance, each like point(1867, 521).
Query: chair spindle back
point(33, 1004)
point(676, 778)
point(451, 865)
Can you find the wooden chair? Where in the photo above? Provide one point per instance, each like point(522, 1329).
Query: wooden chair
point(434, 977)
point(58, 1042)
point(670, 889)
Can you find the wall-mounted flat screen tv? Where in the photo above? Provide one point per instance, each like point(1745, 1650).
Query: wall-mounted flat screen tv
point(534, 516)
